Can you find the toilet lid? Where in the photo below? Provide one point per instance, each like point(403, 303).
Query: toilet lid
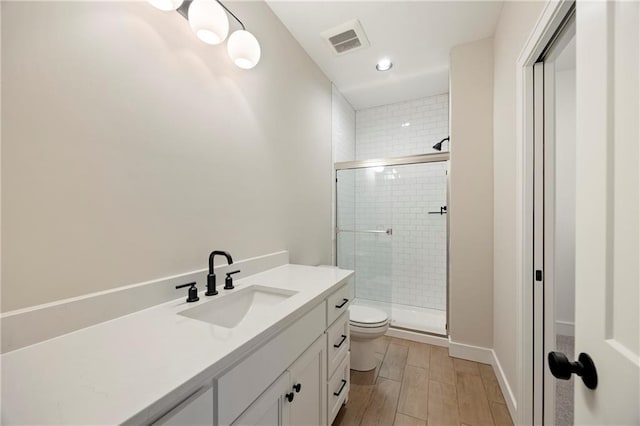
point(366, 316)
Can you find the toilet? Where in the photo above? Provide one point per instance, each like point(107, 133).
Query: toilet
point(366, 325)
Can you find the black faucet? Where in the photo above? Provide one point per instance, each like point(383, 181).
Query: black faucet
point(211, 278)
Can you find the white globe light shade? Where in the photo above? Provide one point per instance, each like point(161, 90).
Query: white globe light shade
point(209, 21)
point(243, 49)
point(166, 5)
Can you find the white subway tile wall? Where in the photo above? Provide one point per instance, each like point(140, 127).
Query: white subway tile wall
point(409, 267)
point(404, 128)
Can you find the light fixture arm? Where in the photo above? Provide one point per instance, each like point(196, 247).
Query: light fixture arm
point(232, 14)
point(184, 8)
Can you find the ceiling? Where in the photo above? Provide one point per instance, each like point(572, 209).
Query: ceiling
point(416, 35)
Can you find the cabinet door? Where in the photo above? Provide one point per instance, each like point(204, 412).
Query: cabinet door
point(268, 409)
point(308, 377)
point(196, 410)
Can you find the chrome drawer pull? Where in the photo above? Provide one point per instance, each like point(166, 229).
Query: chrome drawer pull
point(341, 342)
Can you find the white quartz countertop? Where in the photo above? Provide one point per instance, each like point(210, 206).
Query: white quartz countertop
point(134, 368)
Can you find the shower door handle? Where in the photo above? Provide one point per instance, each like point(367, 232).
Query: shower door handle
point(387, 231)
point(443, 210)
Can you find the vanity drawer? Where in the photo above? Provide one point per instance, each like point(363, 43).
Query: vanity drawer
point(338, 342)
point(338, 388)
point(339, 301)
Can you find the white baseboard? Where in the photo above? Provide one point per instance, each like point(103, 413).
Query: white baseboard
point(24, 327)
point(470, 352)
point(507, 392)
point(418, 337)
point(565, 328)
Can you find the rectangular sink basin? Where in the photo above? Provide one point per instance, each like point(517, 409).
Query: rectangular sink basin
point(230, 310)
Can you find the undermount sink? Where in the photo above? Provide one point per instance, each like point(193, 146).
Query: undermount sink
point(229, 311)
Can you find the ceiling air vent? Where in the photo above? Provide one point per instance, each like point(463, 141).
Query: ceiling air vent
point(346, 37)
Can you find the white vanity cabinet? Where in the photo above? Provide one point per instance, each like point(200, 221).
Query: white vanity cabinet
point(297, 397)
point(322, 372)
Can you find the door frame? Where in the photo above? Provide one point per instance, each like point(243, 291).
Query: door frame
point(529, 407)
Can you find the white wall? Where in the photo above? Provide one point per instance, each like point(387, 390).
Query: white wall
point(565, 200)
point(516, 21)
point(130, 149)
point(471, 199)
point(343, 127)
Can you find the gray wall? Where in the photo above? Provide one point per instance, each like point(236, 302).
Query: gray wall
point(130, 149)
point(471, 199)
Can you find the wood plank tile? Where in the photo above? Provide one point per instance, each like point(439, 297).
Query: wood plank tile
point(419, 355)
point(381, 409)
point(414, 392)
point(351, 413)
point(464, 366)
point(401, 342)
point(491, 385)
point(441, 366)
point(501, 416)
point(402, 420)
point(443, 405)
point(367, 377)
point(394, 362)
point(472, 400)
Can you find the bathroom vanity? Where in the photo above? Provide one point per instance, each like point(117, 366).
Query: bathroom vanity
point(275, 350)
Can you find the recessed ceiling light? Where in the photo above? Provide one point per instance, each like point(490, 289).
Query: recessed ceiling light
point(406, 124)
point(384, 65)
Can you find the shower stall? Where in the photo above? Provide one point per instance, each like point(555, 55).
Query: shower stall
point(392, 230)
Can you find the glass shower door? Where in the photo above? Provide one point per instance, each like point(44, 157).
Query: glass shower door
point(420, 246)
point(364, 234)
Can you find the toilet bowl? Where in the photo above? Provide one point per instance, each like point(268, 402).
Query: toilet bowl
point(366, 325)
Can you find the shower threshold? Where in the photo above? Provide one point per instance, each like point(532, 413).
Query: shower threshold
point(411, 318)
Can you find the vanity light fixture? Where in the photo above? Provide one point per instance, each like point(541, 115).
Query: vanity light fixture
point(384, 64)
point(243, 49)
point(208, 20)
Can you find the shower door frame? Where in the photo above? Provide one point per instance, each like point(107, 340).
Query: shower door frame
point(438, 157)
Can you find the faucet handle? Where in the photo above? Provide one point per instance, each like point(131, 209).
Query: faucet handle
point(228, 282)
point(193, 291)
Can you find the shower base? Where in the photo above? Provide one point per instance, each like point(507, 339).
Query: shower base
point(411, 317)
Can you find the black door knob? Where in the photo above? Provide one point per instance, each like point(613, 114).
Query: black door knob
point(562, 368)
point(297, 387)
point(289, 396)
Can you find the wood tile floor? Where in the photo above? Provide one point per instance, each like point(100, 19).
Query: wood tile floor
point(416, 384)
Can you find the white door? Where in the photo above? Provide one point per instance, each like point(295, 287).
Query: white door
point(608, 210)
